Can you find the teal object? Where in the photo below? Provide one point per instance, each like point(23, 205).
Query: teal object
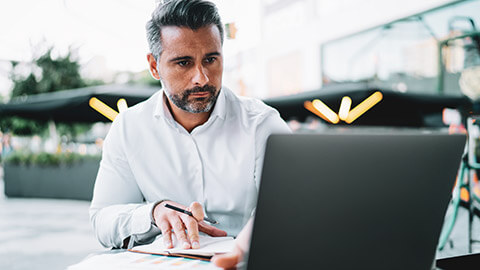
point(469, 163)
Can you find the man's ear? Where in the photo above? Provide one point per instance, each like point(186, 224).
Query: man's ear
point(152, 64)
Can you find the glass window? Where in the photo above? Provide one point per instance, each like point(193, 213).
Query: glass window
point(404, 55)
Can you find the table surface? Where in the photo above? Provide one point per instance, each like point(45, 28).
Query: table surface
point(120, 258)
point(460, 262)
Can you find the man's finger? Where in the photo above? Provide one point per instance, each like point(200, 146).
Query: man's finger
point(228, 260)
point(197, 210)
point(192, 230)
point(179, 231)
point(210, 230)
point(167, 233)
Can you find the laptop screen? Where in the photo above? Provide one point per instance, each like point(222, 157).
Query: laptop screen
point(373, 200)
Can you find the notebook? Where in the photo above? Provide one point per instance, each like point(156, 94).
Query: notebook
point(353, 200)
point(209, 246)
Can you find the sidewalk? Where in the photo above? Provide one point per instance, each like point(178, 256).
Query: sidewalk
point(53, 234)
point(44, 233)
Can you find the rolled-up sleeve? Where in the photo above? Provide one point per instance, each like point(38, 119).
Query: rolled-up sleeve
point(118, 210)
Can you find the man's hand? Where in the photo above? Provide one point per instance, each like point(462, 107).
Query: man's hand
point(170, 221)
point(228, 260)
point(231, 259)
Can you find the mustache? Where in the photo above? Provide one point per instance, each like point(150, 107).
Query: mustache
point(198, 89)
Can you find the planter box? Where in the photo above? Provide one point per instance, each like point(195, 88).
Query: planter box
point(60, 182)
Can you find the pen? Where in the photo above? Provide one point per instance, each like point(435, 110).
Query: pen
point(189, 213)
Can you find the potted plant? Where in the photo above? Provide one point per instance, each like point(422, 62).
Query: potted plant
point(46, 175)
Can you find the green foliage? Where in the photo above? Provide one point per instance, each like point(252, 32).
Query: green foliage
point(22, 127)
point(47, 159)
point(24, 86)
point(93, 82)
point(58, 73)
point(145, 78)
point(70, 130)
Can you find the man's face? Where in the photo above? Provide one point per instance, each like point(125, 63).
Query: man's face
point(191, 66)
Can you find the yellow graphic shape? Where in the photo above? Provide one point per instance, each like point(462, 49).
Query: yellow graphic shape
point(308, 105)
point(344, 108)
point(364, 106)
point(325, 110)
point(102, 108)
point(344, 113)
point(122, 105)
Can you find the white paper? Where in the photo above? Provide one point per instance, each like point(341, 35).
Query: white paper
point(132, 260)
point(209, 246)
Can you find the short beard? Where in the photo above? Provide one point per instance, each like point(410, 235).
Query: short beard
point(198, 105)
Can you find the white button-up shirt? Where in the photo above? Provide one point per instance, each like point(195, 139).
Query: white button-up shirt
point(148, 156)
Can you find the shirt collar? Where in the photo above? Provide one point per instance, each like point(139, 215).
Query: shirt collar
point(220, 106)
point(161, 109)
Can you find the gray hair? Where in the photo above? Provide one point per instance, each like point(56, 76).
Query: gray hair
point(193, 14)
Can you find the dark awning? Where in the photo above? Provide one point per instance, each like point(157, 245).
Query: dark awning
point(395, 109)
point(72, 105)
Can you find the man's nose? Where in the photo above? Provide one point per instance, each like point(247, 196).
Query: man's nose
point(200, 76)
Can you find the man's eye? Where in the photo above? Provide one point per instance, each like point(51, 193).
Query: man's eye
point(210, 59)
point(182, 63)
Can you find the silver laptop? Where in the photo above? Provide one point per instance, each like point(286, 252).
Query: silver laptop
point(368, 200)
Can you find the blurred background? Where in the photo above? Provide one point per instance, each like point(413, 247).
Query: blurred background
point(56, 55)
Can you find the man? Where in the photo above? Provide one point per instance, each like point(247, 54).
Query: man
point(194, 143)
